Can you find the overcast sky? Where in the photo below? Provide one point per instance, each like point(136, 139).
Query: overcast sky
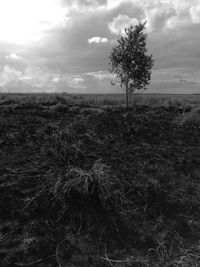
point(63, 45)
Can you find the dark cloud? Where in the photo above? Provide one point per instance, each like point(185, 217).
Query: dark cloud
point(176, 48)
point(189, 82)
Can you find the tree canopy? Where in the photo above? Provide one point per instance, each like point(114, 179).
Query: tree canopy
point(130, 61)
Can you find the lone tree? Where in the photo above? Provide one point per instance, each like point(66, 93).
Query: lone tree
point(130, 61)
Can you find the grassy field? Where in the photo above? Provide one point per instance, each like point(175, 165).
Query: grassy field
point(86, 182)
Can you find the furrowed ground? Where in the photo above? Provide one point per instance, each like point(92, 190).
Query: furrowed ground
point(84, 184)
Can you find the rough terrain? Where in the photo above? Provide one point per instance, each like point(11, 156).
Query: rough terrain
point(83, 184)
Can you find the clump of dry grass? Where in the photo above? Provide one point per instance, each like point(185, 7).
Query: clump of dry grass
point(98, 180)
point(191, 118)
point(60, 147)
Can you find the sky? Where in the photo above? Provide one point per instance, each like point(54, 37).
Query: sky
point(64, 45)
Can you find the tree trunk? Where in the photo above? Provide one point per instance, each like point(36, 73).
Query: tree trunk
point(131, 97)
point(127, 96)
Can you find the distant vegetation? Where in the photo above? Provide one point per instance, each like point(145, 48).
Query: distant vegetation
point(85, 181)
point(156, 100)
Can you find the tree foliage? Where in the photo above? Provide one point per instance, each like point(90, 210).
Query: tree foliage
point(130, 61)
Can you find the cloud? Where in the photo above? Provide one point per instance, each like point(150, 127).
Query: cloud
point(13, 56)
point(8, 75)
point(42, 78)
point(174, 80)
point(68, 57)
point(158, 16)
point(56, 79)
point(119, 23)
point(189, 82)
point(97, 40)
point(76, 82)
point(195, 14)
point(84, 5)
point(23, 22)
point(99, 82)
point(182, 6)
point(31, 77)
point(101, 75)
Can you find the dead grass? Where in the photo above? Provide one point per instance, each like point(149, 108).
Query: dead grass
point(89, 183)
point(189, 118)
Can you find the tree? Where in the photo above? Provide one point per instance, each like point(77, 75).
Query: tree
point(130, 61)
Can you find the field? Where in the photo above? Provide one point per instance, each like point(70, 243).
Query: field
point(86, 182)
